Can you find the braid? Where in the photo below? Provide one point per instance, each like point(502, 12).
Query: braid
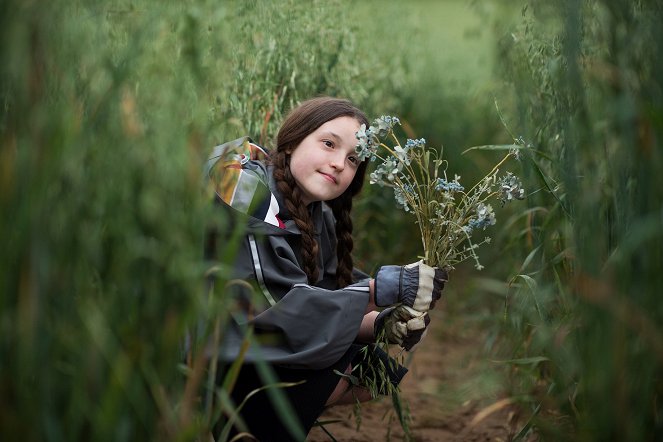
point(293, 201)
point(300, 122)
point(342, 207)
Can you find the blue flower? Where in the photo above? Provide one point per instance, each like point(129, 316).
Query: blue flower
point(414, 144)
point(448, 186)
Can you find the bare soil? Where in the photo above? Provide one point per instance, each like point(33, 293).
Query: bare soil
point(453, 391)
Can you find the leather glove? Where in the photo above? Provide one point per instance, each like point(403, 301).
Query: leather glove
point(415, 285)
point(402, 325)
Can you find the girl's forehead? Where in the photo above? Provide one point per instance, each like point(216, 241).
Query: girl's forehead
point(340, 127)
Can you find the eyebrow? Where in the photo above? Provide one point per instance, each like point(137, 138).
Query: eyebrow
point(335, 136)
point(332, 134)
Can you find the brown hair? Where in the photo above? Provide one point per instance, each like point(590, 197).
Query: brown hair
point(298, 124)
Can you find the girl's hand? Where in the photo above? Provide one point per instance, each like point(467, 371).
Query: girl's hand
point(417, 327)
point(415, 285)
point(402, 325)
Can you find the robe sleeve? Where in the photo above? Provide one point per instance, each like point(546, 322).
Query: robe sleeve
point(316, 325)
point(300, 325)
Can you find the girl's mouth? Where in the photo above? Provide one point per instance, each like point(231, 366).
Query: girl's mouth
point(330, 178)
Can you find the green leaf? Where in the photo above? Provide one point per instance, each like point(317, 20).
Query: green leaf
point(550, 189)
point(528, 425)
point(281, 403)
point(532, 285)
point(508, 147)
point(528, 259)
point(288, 419)
point(494, 147)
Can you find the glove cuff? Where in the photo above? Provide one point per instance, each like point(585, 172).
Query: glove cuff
point(418, 286)
point(388, 285)
point(410, 285)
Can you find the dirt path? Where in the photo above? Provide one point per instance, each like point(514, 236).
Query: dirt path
point(449, 386)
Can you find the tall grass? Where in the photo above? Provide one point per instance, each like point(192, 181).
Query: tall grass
point(584, 314)
point(101, 220)
point(108, 112)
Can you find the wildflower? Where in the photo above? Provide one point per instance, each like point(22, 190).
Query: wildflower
point(401, 154)
point(391, 167)
point(401, 200)
point(484, 217)
point(368, 143)
point(401, 197)
point(486, 214)
point(384, 124)
point(376, 178)
point(446, 212)
point(510, 188)
point(415, 144)
point(449, 186)
point(515, 152)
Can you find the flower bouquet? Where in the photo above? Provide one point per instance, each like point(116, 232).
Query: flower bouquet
point(447, 214)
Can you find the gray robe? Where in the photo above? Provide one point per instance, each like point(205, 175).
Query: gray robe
point(295, 324)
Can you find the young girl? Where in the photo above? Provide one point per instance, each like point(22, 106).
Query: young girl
point(315, 312)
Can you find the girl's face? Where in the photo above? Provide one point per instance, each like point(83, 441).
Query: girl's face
point(325, 162)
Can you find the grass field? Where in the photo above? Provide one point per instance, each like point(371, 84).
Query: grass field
point(108, 111)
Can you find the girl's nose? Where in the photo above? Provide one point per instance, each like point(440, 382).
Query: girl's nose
point(337, 162)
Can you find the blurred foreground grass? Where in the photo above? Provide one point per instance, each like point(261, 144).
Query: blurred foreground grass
point(109, 110)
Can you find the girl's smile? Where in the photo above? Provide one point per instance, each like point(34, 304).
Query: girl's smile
point(330, 178)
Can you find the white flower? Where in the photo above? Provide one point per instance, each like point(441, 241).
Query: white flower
point(484, 217)
point(384, 124)
point(510, 188)
point(368, 143)
point(401, 154)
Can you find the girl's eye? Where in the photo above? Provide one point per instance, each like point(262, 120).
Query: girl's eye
point(353, 160)
point(328, 143)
